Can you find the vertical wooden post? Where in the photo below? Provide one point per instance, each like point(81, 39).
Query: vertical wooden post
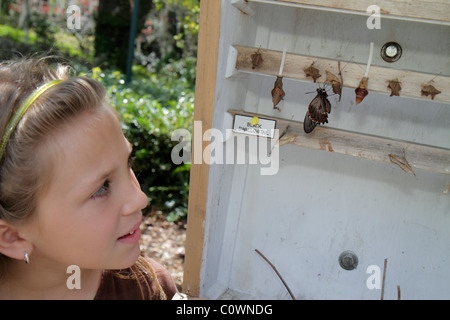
point(208, 48)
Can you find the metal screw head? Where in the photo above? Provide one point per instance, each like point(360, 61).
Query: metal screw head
point(391, 51)
point(348, 260)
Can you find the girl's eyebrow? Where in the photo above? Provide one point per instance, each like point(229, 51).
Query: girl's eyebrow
point(99, 179)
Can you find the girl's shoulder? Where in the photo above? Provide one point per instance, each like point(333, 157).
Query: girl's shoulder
point(145, 280)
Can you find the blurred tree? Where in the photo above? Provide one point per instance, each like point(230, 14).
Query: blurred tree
point(24, 19)
point(170, 34)
point(4, 6)
point(113, 28)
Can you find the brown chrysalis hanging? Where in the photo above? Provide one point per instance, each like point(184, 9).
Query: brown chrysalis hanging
point(257, 59)
point(361, 91)
point(277, 92)
point(395, 87)
point(336, 84)
point(429, 90)
point(312, 72)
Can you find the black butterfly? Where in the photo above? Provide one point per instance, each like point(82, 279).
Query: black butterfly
point(318, 111)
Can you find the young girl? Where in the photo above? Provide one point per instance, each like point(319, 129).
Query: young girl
point(68, 196)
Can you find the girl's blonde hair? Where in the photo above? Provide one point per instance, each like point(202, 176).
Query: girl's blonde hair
point(25, 167)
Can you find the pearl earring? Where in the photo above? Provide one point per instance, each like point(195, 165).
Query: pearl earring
point(27, 260)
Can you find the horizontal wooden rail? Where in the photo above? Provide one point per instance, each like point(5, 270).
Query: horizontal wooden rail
point(294, 65)
point(427, 10)
point(365, 146)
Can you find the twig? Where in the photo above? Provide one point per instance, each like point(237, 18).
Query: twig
point(351, 59)
point(401, 162)
point(279, 138)
point(447, 190)
point(340, 76)
point(278, 274)
point(398, 293)
point(284, 132)
point(384, 278)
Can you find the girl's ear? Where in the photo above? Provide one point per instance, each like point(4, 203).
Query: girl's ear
point(11, 244)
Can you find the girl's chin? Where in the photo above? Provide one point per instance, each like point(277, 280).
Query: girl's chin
point(129, 258)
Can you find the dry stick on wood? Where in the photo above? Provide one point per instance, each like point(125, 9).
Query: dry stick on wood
point(278, 274)
point(340, 72)
point(279, 138)
point(447, 190)
point(340, 76)
point(401, 162)
point(384, 278)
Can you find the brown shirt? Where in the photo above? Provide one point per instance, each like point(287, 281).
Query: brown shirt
point(145, 280)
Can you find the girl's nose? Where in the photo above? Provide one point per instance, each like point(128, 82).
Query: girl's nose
point(135, 198)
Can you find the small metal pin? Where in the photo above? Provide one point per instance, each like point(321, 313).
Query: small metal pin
point(348, 260)
point(391, 51)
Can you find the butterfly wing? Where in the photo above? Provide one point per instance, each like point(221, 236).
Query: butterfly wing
point(327, 104)
point(308, 124)
point(317, 112)
point(318, 109)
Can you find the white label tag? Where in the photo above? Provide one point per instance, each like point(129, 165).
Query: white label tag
point(254, 126)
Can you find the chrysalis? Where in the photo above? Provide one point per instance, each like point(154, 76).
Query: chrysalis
point(318, 111)
point(361, 92)
point(312, 72)
point(429, 90)
point(257, 59)
point(395, 87)
point(336, 84)
point(277, 92)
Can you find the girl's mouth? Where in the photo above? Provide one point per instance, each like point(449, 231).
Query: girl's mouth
point(133, 236)
point(127, 235)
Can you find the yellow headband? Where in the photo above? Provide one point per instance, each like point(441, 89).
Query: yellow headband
point(21, 111)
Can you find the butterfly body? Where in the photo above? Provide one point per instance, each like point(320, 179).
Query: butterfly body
point(318, 111)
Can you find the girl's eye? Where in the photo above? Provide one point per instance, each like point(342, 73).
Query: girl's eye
point(103, 191)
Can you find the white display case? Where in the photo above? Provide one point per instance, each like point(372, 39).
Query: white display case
point(373, 181)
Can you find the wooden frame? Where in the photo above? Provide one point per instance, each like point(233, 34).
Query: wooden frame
point(208, 47)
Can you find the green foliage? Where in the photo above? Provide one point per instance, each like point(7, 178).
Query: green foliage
point(158, 100)
point(172, 31)
point(152, 107)
point(43, 29)
point(58, 42)
point(189, 12)
point(15, 34)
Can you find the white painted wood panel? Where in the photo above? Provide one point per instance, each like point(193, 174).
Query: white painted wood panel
point(320, 204)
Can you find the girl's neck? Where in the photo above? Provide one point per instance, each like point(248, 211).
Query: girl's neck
point(40, 281)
